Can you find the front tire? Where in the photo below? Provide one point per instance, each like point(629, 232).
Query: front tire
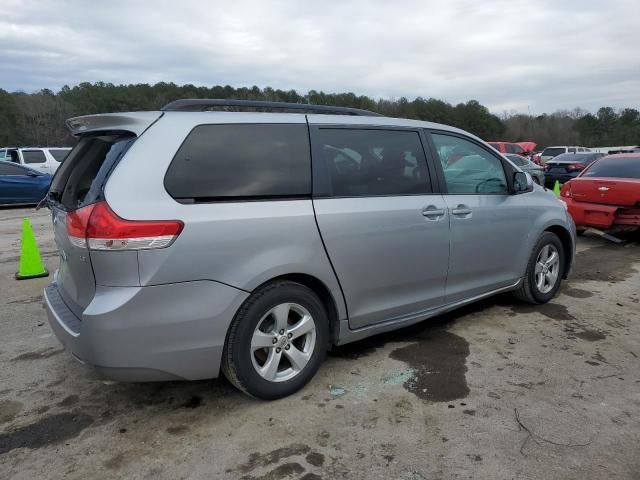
point(544, 271)
point(277, 341)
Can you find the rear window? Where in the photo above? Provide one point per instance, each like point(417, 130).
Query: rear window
point(512, 148)
point(518, 160)
point(80, 178)
point(553, 151)
point(33, 156)
point(584, 158)
point(246, 161)
point(621, 167)
point(59, 155)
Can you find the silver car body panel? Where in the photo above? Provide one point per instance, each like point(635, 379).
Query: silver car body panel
point(164, 313)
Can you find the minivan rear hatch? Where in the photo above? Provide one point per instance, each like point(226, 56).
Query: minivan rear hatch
point(79, 182)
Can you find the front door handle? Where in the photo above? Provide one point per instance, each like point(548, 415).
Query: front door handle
point(461, 211)
point(433, 213)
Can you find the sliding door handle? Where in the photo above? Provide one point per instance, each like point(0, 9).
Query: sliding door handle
point(461, 211)
point(433, 213)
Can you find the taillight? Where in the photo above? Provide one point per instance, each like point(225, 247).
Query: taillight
point(565, 191)
point(100, 228)
point(575, 167)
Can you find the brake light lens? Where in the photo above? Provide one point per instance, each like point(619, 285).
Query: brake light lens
point(575, 167)
point(566, 190)
point(99, 228)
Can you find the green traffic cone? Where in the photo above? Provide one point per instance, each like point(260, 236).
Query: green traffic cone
point(31, 265)
point(556, 188)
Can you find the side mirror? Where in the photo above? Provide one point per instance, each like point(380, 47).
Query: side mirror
point(522, 183)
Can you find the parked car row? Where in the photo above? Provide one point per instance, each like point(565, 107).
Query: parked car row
point(44, 160)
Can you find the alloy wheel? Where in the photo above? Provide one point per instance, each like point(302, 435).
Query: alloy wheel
point(283, 342)
point(547, 268)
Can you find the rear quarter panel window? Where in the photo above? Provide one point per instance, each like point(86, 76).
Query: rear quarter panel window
point(59, 155)
point(622, 167)
point(34, 156)
point(241, 161)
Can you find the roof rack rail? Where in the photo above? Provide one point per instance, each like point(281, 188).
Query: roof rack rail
point(201, 105)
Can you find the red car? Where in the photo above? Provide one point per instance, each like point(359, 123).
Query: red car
point(606, 194)
point(524, 149)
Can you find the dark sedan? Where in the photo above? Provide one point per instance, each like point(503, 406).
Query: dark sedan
point(21, 185)
point(567, 166)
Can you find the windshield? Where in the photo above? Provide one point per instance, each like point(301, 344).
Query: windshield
point(620, 167)
point(553, 151)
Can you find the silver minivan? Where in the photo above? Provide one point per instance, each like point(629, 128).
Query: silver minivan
point(251, 237)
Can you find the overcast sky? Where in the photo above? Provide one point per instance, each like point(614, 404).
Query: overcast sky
point(510, 55)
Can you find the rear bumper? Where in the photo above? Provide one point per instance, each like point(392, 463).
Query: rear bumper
point(601, 216)
point(163, 332)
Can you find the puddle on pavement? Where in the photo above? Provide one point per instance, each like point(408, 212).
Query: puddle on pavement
point(554, 311)
point(9, 410)
point(47, 431)
point(438, 359)
point(590, 335)
point(576, 292)
point(46, 353)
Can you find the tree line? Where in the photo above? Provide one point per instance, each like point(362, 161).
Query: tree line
point(38, 118)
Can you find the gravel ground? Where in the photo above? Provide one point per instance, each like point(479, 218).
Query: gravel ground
point(496, 390)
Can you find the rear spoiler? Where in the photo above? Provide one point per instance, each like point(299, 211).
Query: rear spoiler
point(134, 122)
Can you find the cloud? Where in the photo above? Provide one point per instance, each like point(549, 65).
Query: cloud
point(510, 55)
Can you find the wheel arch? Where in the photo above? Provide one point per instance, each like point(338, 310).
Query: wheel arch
point(567, 243)
point(319, 288)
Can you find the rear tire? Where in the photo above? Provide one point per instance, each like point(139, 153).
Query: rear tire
point(544, 271)
point(277, 341)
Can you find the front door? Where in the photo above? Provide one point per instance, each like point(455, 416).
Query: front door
point(386, 233)
point(488, 224)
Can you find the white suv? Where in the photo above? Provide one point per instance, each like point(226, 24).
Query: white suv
point(45, 160)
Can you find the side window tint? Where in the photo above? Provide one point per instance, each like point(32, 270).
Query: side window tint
point(360, 162)
point(572, 150)
point(469, 168)
point(33, 156)
point(241, 161)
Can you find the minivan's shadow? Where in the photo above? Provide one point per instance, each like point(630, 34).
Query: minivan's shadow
point(417, 331)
